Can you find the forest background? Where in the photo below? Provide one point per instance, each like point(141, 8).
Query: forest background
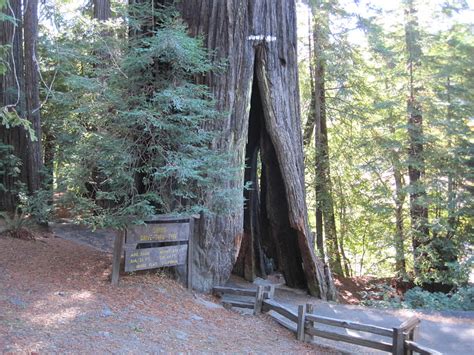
point(386, 97)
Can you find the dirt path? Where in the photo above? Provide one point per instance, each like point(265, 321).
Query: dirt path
point(55, 297)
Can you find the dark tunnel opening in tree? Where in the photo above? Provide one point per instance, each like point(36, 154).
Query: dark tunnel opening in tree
point(269, 243)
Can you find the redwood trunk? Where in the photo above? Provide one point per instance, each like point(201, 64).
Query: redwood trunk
point(102, 11)
point(400, 264)
point(258, 39)
point(416, 163)
point(19, 92)
point(34, 159)
point(10, 95)
point(323, 184)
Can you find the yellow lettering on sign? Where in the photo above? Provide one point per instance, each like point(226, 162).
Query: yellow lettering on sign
point(173, 236)
point(160, 230)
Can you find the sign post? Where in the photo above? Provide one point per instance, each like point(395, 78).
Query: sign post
point(161, 242)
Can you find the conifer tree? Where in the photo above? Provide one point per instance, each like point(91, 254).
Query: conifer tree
point(20, 126)
point(416, 160)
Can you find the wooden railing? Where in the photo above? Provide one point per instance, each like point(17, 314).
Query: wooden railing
point(413, 347)
point(399, 340)
point(258, 295)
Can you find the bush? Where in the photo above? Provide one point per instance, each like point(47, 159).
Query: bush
point(460, 300)
point(137, 135)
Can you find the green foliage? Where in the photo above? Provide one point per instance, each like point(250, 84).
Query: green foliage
point(38, 206)
point(366, 98)
point(9, 164)
point(9, 118)
point(31, 208)
point(416, 298)
point(5, 48)
point(15, 222)
point(444, 264)
point(136, 135)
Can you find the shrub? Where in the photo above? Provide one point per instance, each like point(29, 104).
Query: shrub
point(416, 298)
point(137, 135)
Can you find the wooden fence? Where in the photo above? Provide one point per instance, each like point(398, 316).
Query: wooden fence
point(398, 340)
point(258, 295)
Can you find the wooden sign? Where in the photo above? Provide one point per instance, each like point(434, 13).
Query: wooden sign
point(161, 242)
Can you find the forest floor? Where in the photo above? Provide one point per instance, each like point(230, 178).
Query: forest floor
point(56, 297)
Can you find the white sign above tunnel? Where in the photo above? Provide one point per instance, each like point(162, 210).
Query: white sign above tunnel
point(265, 38)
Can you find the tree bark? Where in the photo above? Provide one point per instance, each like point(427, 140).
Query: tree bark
point(416, 163)
point(102, 10)
point(323, 185)
point(452, 184)
point(258, 38)
point(11, 99)
point(49, 144)
point(343, 223)
point(309, 124)
point(400, 264)
point(308, 133)
point(250, 259)
point(19, 93)
point(34, 165)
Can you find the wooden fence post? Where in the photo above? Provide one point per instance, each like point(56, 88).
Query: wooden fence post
point(310, 310)
point(398, 341)
point(189, 271)
point(411, 336)
point(118, 250)
point(400, 334)
point(301, 321)
point(259, 300)
point(270, 291)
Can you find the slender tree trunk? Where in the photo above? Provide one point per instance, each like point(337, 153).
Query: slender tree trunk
point(19, 93)
point(361, 266)
point(416, 165)
point(258, 39)
point(399, 200)
point(400, 265)
point(49, 143)
point(308, 132)
point(324, 201)
point(102, 11)
point(452, 198)
point(343, 223)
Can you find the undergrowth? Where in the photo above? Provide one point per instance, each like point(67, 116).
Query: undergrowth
point(416, 298)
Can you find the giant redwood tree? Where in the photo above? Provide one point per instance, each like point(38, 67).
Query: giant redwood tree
point(258, 92)
point(19, 98)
